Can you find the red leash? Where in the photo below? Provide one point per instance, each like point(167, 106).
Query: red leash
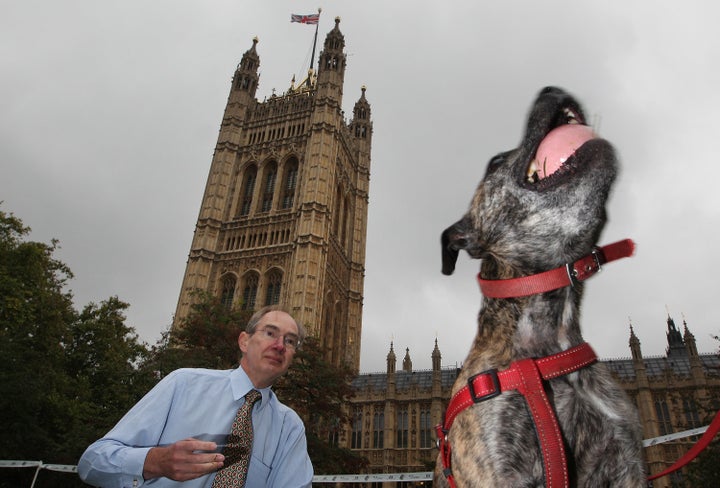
point(525, 376)
point(701, 444)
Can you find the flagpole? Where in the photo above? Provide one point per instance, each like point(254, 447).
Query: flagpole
point(312, 58)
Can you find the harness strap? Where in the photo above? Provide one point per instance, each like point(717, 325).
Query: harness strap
point(526, 377)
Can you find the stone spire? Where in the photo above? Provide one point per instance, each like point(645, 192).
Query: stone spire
point(436, 357)
point(391, 360)
point(407, 362)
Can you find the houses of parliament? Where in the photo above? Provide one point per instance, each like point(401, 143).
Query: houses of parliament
point(283, 219)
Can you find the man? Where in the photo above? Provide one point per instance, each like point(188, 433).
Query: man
point(174, 435)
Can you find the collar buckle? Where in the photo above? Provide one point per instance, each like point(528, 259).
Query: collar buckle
point(585, 267)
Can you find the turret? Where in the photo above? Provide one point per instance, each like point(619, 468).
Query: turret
point(436, 357)
point(407, 362)
point(676, 346)
point(635, 345)
point(391, 360)
point(331, 66)
point(361, 126)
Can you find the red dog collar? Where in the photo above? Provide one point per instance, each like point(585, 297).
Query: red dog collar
point(570, 274)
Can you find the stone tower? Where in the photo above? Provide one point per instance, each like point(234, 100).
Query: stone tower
point(284, 214)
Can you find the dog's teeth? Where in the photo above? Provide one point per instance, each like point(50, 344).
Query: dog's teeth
point(572, 117)
point(532, 175)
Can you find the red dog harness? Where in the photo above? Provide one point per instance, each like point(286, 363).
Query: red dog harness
point(525, 376)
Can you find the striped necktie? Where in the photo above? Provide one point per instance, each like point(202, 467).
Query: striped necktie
point(239, 446)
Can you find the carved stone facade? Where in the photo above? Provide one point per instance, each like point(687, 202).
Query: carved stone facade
point(394, 412)
point(284, 214)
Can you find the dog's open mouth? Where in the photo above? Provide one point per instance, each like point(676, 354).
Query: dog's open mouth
point(555, 152)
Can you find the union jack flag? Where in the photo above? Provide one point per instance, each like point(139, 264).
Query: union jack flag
point(311, 19)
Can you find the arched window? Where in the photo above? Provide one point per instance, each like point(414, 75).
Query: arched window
point(291, 174)
point(248, 188)
point(426, 430)
point(250, 291)
point(356, 437)
point(402, 428)
point(337, 211)
point(274, 281)
point(379, 430)
point(269, 188)
point(228, 291)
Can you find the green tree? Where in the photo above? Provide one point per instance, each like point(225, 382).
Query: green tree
point(34, 315)
point(104, 358)
point(66, 377)
point(705, 470)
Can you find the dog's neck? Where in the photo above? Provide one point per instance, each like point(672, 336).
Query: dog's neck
point(534, 326)
point(538, 315)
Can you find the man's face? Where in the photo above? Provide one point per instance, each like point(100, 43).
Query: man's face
point(265, 353)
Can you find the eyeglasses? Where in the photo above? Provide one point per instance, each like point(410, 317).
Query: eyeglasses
point(272, 334)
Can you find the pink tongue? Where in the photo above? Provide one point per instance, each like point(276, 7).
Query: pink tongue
point(559, 145)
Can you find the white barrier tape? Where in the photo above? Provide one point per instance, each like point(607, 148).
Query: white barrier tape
point(367, 478)
point(348, 478)
point(671, 437)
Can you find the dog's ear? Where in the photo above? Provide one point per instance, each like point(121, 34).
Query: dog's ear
point(452, 240)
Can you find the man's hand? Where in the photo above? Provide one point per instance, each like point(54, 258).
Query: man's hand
point(185, 460)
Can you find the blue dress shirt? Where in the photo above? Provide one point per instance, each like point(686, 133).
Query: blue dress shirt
point(200, 403)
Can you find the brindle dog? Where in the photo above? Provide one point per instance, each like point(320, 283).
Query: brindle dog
point(521, 223)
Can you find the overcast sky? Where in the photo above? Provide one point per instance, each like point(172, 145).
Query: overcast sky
point(109, 114)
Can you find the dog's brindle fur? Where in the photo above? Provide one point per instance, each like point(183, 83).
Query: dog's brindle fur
point(519, 228)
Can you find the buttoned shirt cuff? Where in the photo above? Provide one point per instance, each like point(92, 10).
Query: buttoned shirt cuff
point(133, 466)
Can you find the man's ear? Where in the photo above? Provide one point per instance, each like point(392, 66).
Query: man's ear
point(243, 339)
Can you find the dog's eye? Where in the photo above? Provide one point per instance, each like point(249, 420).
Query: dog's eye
point(495, 163)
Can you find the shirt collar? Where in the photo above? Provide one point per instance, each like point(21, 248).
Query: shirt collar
point(241, 385)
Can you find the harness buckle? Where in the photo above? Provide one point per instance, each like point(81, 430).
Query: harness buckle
point(493, 375)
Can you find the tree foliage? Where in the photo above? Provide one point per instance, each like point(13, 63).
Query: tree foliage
point(705, 469)
point(66, 377)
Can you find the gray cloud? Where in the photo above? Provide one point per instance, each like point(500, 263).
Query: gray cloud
point(109, 115)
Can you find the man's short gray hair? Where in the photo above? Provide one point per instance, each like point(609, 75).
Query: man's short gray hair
point(257, 316)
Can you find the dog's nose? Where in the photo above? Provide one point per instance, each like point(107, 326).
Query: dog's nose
point(552, 90)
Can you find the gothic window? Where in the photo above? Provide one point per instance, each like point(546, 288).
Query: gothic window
point(426, 433)
point(248, 188)
point(663, 416)
point(356, 437)
point(250, 291)
point(291, 174)
point(692, 419)
point(344, 224)
point(274, 280)
point(338, 209)
point(269, 188)
point(378, 430)
point(402, 428)
point(228, 291)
